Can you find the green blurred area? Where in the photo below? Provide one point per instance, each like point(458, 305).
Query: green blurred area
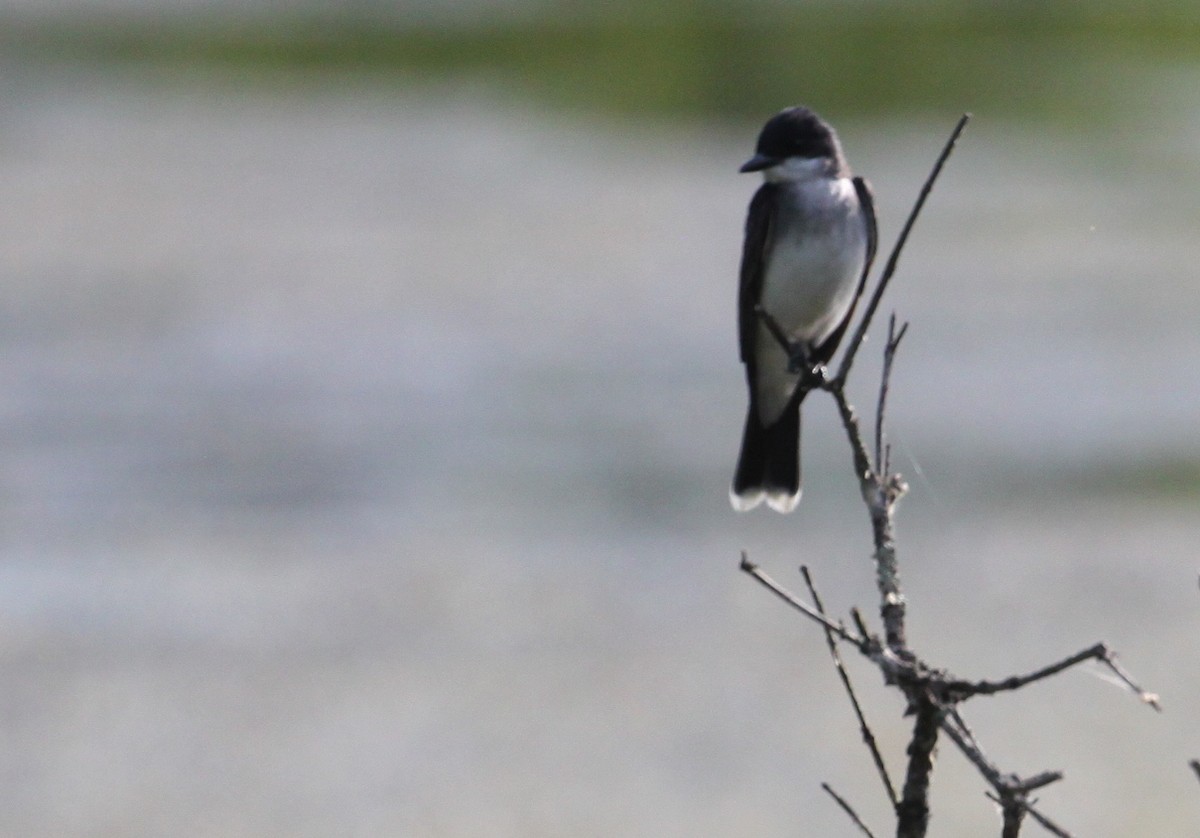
point(1161, 480)
point(1065, 62)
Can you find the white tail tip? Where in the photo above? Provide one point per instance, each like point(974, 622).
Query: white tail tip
point(746, 501)
point(782, 502)
point(777, 499)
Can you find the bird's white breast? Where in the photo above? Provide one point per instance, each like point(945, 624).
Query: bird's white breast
point(813, 264)
point(815, 258)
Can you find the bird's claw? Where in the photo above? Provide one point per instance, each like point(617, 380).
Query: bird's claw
point(814, 378)
point(812, 375)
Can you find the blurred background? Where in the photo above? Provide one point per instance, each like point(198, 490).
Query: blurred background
point(369, 395)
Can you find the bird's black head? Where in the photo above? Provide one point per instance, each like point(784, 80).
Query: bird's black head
point(793, 132)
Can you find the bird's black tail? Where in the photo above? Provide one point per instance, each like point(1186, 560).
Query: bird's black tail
point(769, 466)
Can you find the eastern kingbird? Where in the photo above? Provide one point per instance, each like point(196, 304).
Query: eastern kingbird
point(810, 239)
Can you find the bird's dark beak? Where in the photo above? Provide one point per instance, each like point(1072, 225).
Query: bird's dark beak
point(757, 163)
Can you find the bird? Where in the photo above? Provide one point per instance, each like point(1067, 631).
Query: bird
point(810, 239)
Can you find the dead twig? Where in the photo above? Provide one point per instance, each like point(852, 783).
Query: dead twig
point(868, 735)
point(1027, 809)
point(912, 813)
point(1100, 652)
point(882, 462)
point(848, 809)
point(770, 584)
point(894, 258)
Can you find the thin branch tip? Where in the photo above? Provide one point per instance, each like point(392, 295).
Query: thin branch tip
point(848, 809)
point(1037, 782)
point(864, 323)
point(804, 608)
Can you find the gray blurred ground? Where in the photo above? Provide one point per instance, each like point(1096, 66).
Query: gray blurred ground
point(365, 455)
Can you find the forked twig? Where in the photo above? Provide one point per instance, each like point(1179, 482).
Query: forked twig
point(783, 593)
point(1028, 809)
point(882, 464)
point(1013, 812)
point(868, 735)
point(1099, 652)
point(1011, 791)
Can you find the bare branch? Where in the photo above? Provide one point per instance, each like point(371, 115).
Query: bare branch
point(1195, 765)
point(867, 735)
point(1013, 813)
point(882, 466)
point(859, 623)
point(874, 494)
point(971, 750)
point(960, 690)
point(841, 801)
point(1011, 790)
point(837, 628)
point(880, 492)
point(1027, 808)
point(969, 688)
point(1110, 660)
point(890, 268)
point(962, 727)
point(1038, 781)
point(862, 460)
point(1047, 824)
point(913, 811)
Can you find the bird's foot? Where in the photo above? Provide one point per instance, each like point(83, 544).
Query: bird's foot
point(800, 360)
point(813, 376)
